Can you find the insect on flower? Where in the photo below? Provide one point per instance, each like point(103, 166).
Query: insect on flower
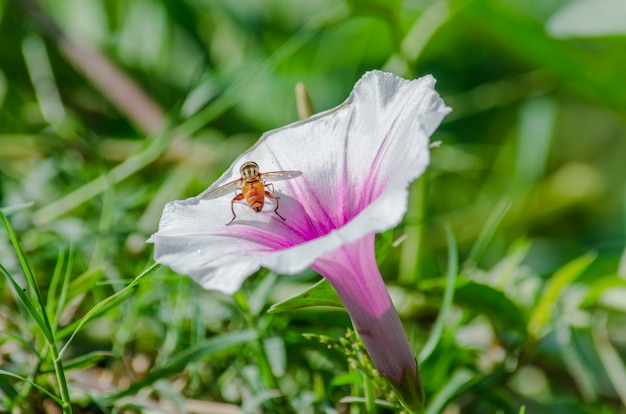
point(254, 186)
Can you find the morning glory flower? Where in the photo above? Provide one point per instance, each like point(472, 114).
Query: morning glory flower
point(356, 163)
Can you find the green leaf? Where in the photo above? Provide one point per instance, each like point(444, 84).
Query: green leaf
point(105, 305)
point(7, 211)
point(35, 310)
point(457, 382)
point(500, 309)
point(51, 298)
point(59, 296)
point(320, 294)
point(489, 230)
point(582, 373)
point(261, 293)
point(9, 391)
point(448, 297)
point(609, 355)
point(561, 279)
point(82, 361)
point(28, 304)
point(84, 282)
point(39, 387)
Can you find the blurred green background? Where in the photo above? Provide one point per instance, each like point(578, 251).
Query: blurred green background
point(109, 109)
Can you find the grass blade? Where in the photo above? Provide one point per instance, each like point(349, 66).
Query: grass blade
point(64, 289)
point(610, 357)
point(583, 377)
point(105, 305)
point(29, 305)
point(458, 380)
point(42, 319)
point(8, 391)
point(56, 298)
point(82, 361)
point(40, 388)
point(448, 297)
point(562, 278)
point(488, 231)
point(54, 283)
point(38, 313)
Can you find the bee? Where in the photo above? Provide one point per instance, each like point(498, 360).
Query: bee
point(254, 186)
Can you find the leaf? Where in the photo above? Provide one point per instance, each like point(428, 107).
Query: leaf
point(274, 348)
point(455, 384)
point(582, 373)
point(82, 361)
point(28, 304)
point(8, 390)
point(35, 310)
point(609, 355)
point(84, 282)
point(39, 387)
point(320, 294)
point(448, 297)
point(104, 305)
point(52, 288)
point(489, 230)
point(7, 211)
point(500, 309)
point(59, 297)
point(561, 279)
point(259, 296)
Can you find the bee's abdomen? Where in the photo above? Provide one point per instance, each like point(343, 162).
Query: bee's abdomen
point(256, 202)
point(255, 196)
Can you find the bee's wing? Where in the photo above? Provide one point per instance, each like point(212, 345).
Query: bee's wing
point(280, 175)
point(220, 191)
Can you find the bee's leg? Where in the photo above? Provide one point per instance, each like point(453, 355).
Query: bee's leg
point(237, 197)
point(275, 197)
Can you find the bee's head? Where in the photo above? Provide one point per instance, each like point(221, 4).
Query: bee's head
point(249, 169)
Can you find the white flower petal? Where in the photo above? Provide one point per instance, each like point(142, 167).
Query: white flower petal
point(357, 161)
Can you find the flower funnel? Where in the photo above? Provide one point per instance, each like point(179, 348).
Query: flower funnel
point(338, 177)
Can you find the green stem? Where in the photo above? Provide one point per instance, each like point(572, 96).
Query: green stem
point(60, 375)
point(39, 312)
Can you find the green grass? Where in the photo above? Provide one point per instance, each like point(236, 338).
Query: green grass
point(508, 271)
